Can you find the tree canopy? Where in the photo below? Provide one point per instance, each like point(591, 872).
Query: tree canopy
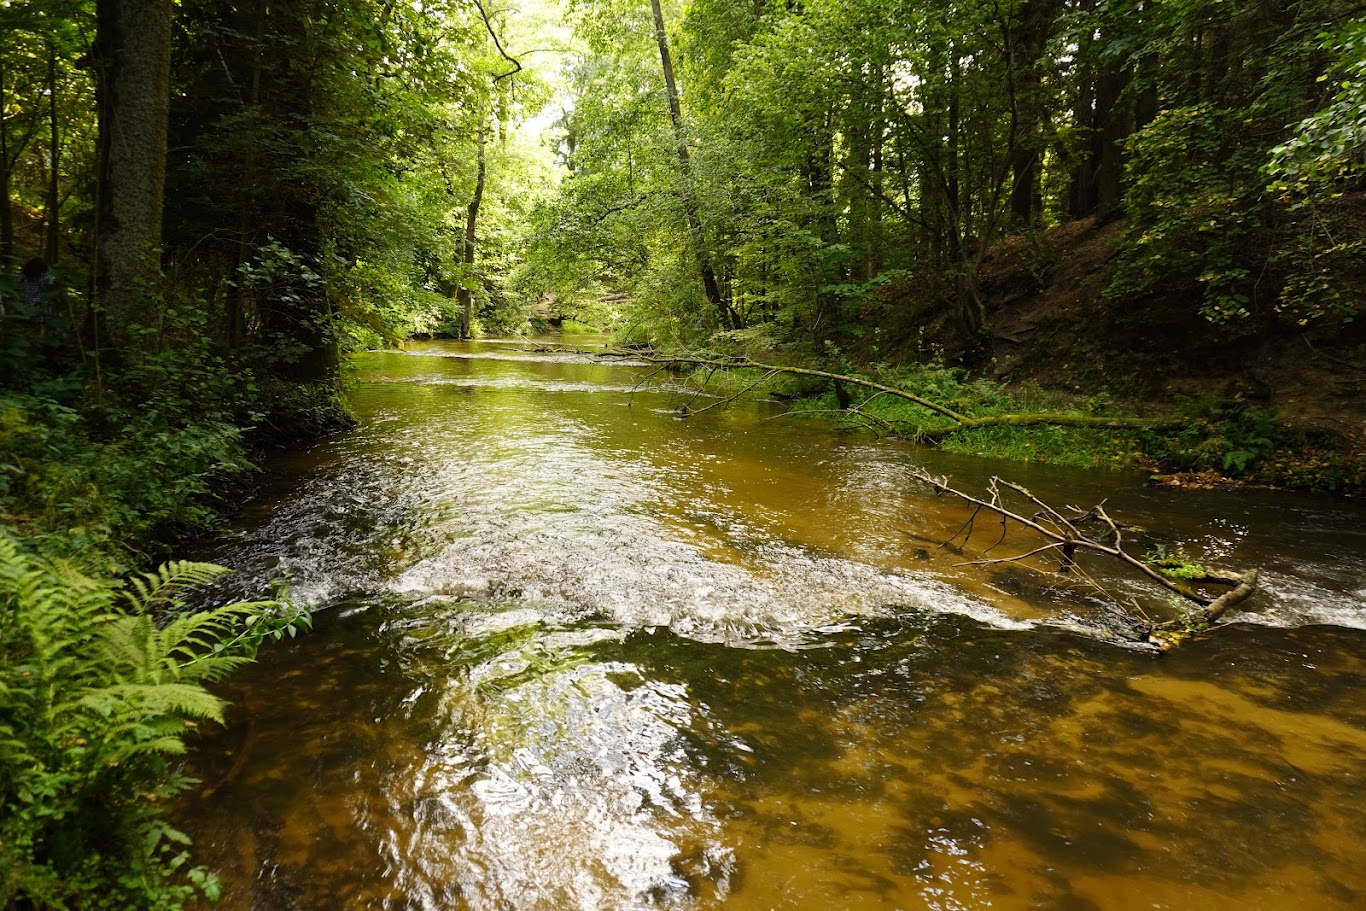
point(338, 172)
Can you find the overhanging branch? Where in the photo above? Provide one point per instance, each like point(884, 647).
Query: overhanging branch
point(488, 24)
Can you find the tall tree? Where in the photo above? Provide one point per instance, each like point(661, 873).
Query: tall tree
point(695, 228)
point(133, 65)
point(468, 249)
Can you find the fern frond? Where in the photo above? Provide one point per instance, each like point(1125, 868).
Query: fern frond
point(157, 590)
point(155, 701)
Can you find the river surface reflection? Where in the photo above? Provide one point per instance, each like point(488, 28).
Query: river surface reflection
point(575, 653)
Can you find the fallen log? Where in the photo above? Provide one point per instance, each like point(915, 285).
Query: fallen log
point(957, 422)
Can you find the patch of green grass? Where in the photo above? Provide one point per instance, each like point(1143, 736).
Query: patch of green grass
point(1072, 446)
point(1214, 436)
point(1078, 447)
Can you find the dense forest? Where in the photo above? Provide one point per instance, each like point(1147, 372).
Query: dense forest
point(208, 203)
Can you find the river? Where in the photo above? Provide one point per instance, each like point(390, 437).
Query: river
point(573, 652)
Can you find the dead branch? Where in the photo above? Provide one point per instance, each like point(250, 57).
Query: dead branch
point(1063, 537)
point(686, 410)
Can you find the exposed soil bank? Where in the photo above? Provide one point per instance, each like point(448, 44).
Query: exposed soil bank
point(1053, 327)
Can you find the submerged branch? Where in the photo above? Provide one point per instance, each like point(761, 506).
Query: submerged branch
point(1062, 536)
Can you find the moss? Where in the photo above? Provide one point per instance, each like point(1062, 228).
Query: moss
point(1211, 436)
point(1175, 564)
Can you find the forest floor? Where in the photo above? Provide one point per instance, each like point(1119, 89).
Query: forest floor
point(1052, 328)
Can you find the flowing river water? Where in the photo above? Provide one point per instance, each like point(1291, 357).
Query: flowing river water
point(572, 652)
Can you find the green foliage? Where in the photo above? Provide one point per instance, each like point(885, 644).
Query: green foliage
point(91, 481)
point(1191, 212)
point(1176, 564)
point(1329, 146)
point(1311, 176)
point(1222, 436)
point(99, 686)
point(89, 471)
point(1073, 446)
point(1240, 188)
point(1255, 445)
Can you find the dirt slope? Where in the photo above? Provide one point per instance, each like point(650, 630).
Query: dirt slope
point(1051, 326)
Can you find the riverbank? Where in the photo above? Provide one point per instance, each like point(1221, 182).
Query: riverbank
point(103, 663)
point(1207, 441)
point(112, 471)
point(1267, 400)
point(1260, 401)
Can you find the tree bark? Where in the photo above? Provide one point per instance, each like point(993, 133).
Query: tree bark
point(690, 204)
point(133, 60)
point(238, 292)
point(1026, 43)
point(6, 213)
point(1113, 122)
point(1081, 199)
point(465, 295)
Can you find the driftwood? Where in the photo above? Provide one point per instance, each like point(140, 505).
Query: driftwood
point(957, 422)
point(1070, 531)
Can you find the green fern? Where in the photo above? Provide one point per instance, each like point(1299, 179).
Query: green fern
point(99, 684)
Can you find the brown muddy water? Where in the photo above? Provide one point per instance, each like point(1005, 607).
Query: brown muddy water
point(572, 652)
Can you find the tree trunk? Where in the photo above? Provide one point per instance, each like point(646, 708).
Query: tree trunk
point(238, 292)
point(1081, 198)
point(133, 58)
point(704, 265)
point(1027, 44)
point(952, 195)
point(1113, 121)
point(874, 199)
point(466, 293)
point(6, 213)
point(1024, 160)
point(52, 248)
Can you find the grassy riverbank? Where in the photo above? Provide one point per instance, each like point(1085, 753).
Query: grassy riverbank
point(1208, 440)
point(110, 470)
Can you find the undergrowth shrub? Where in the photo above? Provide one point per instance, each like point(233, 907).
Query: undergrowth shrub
point(1257, 446)
point(98, 479)
point(99, 685)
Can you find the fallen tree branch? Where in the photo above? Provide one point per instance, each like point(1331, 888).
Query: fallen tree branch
point(1062, 536)
point(958, 422)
